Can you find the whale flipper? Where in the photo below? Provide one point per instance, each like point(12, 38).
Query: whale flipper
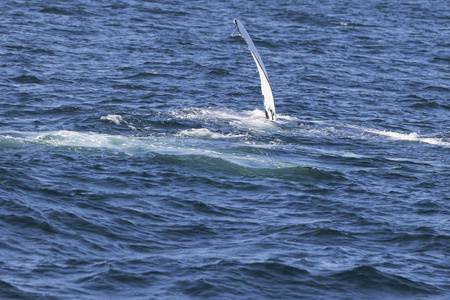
point(269, 104)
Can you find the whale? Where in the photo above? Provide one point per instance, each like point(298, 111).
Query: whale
point(266, 89)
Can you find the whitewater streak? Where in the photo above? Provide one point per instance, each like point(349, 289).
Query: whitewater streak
point(246, 143)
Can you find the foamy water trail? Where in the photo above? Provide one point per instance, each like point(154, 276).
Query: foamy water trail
point(411, 137)
point(195, 142)
point(207, 134)
point(242, 138)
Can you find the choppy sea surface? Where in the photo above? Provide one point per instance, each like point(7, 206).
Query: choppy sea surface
point(136, 161)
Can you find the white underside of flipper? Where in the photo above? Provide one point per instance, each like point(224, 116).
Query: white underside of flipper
point(269, 103)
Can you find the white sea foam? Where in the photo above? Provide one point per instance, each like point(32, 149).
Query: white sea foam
point(162, 145)
point(206, 133)
point(232, 146)
point(413, 137)
point(117, 119)
point(82, 139)
point(255, 117)
point(352, 131)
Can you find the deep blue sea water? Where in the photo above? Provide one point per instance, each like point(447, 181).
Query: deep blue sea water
point(136, 162)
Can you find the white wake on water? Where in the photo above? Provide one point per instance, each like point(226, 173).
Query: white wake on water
point(195, 142)
point(117, 119)
point(244, 138)
point(207, 134)
point(411, 137)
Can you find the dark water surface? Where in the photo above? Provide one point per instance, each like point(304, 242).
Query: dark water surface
point(136, 162)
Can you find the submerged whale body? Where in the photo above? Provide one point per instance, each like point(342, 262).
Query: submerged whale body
point(266, 89)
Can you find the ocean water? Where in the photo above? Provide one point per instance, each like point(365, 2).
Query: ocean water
point(136, 162)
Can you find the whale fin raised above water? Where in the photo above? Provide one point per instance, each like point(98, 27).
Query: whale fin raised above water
point(269, 104)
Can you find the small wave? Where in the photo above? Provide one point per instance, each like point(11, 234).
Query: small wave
point(254, 166)
point(30, 223)
point(10, 291)
point(55, 11)
point(426, 105)
point(328, 233)
point(368, 277)
point(144, 75)
point(274, 270)
point(25, 79)
point(437, 88)
point(352, 24)
point(216, 71)
point(129, 86)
